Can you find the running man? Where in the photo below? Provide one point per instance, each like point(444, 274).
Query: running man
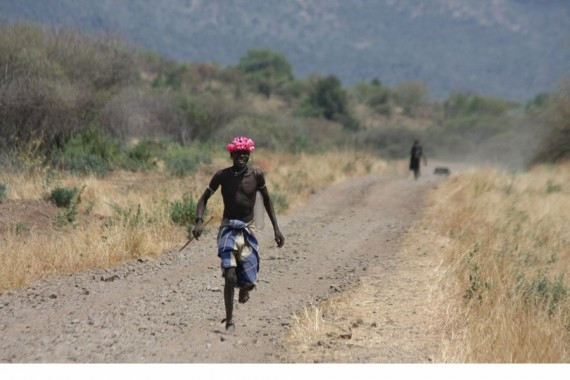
point(237, 245)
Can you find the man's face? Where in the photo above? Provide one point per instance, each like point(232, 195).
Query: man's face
point(240, 158)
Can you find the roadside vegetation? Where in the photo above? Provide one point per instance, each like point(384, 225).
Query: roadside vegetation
point(117, 144)
point(499, 246)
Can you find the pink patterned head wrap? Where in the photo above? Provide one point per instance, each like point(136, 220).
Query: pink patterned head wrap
point(240, 143)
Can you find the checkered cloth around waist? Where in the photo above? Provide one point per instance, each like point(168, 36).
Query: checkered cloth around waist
point(247, 267)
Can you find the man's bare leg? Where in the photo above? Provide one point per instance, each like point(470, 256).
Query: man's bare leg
point(231, 281)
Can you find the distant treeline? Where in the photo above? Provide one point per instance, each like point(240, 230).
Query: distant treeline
point(92, 102)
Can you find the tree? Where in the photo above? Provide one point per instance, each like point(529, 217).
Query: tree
point(265, 70)
point(329, 98)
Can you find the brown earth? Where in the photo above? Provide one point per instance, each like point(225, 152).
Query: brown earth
point(169, 309)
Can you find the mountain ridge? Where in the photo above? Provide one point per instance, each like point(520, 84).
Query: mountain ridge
point(507, 48)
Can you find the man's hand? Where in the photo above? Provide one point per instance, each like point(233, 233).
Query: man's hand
point(279, 238)
point(197, 229)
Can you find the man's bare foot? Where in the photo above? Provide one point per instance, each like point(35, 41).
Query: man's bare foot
point(243, 296)
point(230, 327)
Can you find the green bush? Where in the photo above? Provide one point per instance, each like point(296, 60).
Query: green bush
point(68, 199)
point(373, 94)
point(62, 196)
point(89, 151)
point(183, 212)
point(328, 98)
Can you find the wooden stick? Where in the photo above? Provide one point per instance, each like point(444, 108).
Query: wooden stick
point(192, 237)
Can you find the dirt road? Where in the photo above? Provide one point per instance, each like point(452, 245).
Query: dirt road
point(169, 309)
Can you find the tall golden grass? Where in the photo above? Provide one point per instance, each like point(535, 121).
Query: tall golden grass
point(501, 288)
point(144, 228)
point(499, 246)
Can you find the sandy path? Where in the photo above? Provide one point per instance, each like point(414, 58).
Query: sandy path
point(169, 309)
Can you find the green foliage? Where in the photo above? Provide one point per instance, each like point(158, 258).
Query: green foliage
point(266, 70)
point(3, 192)
point(181, 161)
point(183, 212)
point(70, 199)
point(329, 100)
point(62, 196)
point(543, 292)
point(89, 151)
point(127, 216)
point(373, 94)
point(463, 104)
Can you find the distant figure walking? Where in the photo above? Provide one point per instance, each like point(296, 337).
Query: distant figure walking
point(416, 154)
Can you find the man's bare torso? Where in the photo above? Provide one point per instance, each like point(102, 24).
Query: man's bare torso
point(238, 192)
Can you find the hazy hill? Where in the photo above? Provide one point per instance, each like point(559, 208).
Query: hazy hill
point(508, 48)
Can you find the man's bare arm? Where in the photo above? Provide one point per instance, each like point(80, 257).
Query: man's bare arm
point(200, 208)
point(268, 203)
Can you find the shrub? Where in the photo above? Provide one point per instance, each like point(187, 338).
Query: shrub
point(183, 212)
point(70, 199)
point(89, 151)
point(328, 99)
point(62, 196)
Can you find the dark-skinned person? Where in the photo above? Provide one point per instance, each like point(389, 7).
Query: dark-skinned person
point(416, 154)
point(237, 244)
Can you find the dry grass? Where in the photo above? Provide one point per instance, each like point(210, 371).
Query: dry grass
point(501, 289)
point(102, 236)
point(499, 246)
